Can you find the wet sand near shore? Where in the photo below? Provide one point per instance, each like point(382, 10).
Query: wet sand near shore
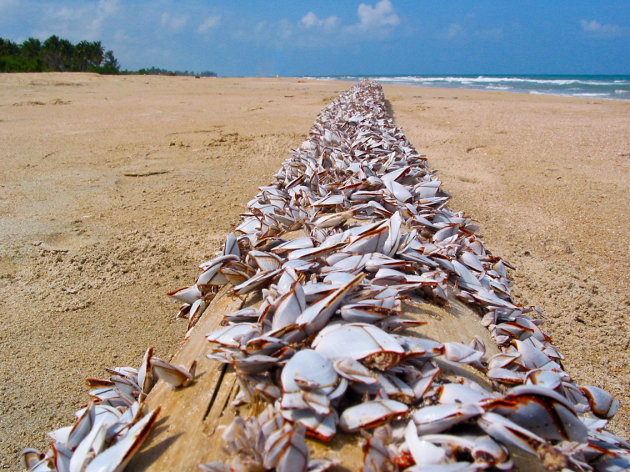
point(113, 189)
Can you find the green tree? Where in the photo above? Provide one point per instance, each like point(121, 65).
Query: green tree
point(66, 52)
point(110, 64)
point(51, 53)
point(30, 56)
point(87, 55)
point(57, 53)
point(31, 48)
point(80, 56)
point(95, 56)
point(8, 48)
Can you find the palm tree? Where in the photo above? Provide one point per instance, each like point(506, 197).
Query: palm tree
point(110, 66)
point(81, 56)
point(66, 50)
point(31, 48)
point(30, 55)
point(8, 48)
point(52, 53)
point(95, 55)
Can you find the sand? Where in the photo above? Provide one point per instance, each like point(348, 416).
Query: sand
point(113, 189)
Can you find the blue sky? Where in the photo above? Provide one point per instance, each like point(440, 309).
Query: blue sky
point(341, 37)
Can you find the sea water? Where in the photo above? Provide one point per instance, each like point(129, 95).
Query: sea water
point(614, 87)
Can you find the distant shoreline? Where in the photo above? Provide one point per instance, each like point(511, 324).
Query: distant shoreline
point(595, 87)
point(608, 87)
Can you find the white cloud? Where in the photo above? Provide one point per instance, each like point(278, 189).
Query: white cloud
point(208, 24)
point(260, 27)
point(276, 33)
point(104, 10)
point(596, 29)
point(453, 31)
point(284, 29)
point(173, 22)
point(67, 14)
point(107, 7)
point(375, 21)
point(179, 22)
point(310, 20)
point(81, 22)
point(92, 15)
point(380, 16)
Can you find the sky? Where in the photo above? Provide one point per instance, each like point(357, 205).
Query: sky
point(336, 37)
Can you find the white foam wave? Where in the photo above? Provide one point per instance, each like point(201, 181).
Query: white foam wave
point(486, 79)
point(606, 87)
point(590, 94)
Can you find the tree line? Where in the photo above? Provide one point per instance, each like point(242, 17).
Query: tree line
point(60, 55)
point(57, 55)
point(158, 71)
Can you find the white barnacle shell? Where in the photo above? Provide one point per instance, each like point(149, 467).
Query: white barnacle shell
point(186, 295)
point(458, 352)
point(232, 335)
point(371, 414)
point(422, 451)
point(174, 375)
point(116, 457)
point(506, 431)
point(456, 393)
point(438, 418)
point(289, 307)
point(542, 411)
point(601, 402)
point(360, 341)
point(322, 427)
point(308, 370)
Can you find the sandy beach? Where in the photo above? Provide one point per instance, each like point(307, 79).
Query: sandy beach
point(113, 189)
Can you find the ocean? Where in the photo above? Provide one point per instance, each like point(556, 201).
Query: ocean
point(611, 87)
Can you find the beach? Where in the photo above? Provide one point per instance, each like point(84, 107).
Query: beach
point(115, 188)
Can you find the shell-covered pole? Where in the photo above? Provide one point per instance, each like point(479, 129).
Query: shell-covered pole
point(353, 224)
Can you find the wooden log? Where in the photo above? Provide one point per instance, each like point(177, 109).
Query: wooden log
point(184, 435)
point(189, 430)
